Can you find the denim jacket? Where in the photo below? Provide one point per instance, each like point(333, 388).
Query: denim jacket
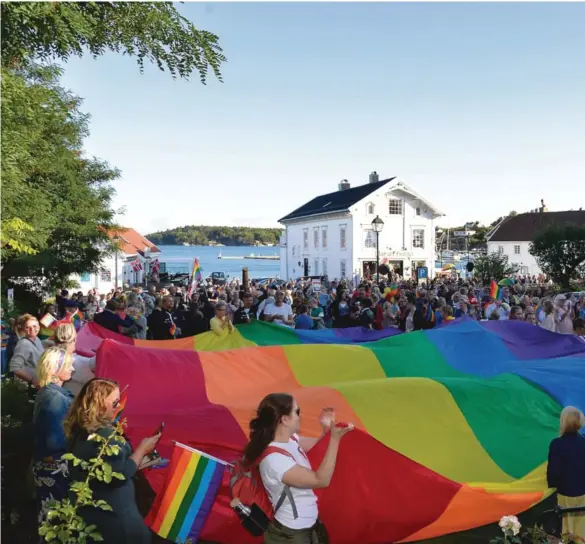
point(51, 405)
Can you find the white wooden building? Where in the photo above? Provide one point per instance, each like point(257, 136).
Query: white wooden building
point(117, 270)
point(513, 235)
point(332, 234)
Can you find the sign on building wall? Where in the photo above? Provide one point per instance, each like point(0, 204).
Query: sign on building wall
point(106, 275)
point(85, 276)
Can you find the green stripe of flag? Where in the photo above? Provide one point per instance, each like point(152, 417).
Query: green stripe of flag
point(188, 498)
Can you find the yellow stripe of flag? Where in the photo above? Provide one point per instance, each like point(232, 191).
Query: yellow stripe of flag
point(179, 495)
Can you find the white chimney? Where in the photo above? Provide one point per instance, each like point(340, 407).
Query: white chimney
point(344, 185)
point(374, 178)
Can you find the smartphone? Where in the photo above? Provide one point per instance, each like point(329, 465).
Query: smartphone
point(160, 429)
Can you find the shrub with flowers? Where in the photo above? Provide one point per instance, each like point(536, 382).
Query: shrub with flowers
point(513, 534)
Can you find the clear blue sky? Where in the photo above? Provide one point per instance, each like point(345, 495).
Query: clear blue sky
point(480, 107)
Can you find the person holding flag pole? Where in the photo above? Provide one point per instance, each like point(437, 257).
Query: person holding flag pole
point(196, 276)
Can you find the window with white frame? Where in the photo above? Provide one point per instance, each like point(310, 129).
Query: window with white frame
point(316, 269)
point(501, 250)
point(305, 239)
point(395, 206)
point(418, 238)
point(324, 237)
point(324, 266)
point(316, 237)
point(342, 236)
point(417, 210)
point(370, 239)
point(516, 250)
point(370, 208)
point(342, 269)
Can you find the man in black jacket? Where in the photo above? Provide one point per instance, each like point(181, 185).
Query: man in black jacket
point(110, 320)
point(247, 314)
point(161, 325)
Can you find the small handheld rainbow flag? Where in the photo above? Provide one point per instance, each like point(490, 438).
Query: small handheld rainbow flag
point(495, 291)
point(192, 482)
point(173, 330)
point(121, 405)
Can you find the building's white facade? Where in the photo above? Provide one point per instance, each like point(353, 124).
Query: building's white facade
point(116, 270)
point(112, 268)
point(518, 256)
point(343, 244)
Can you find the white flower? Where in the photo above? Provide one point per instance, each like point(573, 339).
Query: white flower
point(510, 525)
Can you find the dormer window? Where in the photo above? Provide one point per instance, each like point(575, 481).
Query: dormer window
point(370, 209)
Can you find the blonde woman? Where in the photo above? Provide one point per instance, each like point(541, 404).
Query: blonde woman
point(83, 367)
point(566, 469)
point(51, 405)
point(28, 351)
point(93, 411)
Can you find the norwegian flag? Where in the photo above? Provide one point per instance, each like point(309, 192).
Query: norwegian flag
point(155, 266)
point(136, 265)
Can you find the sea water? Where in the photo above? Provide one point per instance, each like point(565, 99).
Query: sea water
point(179, 259)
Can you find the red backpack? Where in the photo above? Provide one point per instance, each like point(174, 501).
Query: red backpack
point(246, 484)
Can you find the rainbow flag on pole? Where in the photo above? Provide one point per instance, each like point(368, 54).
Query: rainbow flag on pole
point(181, 508)
point(195, 276)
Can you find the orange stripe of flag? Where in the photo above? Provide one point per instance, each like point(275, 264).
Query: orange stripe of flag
point(177, 470)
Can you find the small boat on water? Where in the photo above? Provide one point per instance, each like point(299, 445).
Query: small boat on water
point(230, 257)
point(274, 257)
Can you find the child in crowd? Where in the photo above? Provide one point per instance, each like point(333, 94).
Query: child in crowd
point(317, 315)
point(303, 321)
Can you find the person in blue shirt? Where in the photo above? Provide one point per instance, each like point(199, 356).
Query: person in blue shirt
point(303, 321)
point(566, 469)
point(51, 405)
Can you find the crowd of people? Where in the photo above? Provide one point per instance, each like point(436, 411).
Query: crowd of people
point(166, 313)
point(70, 403)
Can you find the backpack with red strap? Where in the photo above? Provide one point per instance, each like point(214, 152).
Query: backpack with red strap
point(246, 485)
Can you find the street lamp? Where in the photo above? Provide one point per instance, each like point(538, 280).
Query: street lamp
point(377, 225)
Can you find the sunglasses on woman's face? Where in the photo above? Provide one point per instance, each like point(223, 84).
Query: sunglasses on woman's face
point(115, 403)
point(298, 411)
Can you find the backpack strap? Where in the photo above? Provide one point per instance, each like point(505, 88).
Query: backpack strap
point(286, 492)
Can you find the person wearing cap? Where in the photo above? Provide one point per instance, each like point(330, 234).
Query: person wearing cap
point(220, 325)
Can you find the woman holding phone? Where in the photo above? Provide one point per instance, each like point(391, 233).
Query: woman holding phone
point(93, 412)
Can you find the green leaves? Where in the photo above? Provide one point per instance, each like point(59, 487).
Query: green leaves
point(560, 253)
point(149, 31)
point(491, 266)
point(63, 524)
point(56, 203)
point(200, 235)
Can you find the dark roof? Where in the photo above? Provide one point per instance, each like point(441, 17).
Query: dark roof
point(336, 201)
point(525, 226)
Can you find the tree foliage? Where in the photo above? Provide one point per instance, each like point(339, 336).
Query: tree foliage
point(229, 236)
point(560, 253)
point(152, 31)
point(56, 202)
point(493, 266)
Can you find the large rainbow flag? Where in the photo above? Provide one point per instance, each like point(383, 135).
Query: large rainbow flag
point(257, 333)
point(452, 424)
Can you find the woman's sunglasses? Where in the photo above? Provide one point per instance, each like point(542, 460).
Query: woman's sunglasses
point(298, 411)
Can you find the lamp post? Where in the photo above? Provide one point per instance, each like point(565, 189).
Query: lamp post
point(377, 225)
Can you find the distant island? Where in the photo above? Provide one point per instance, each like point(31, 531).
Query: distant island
point(216, 236)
